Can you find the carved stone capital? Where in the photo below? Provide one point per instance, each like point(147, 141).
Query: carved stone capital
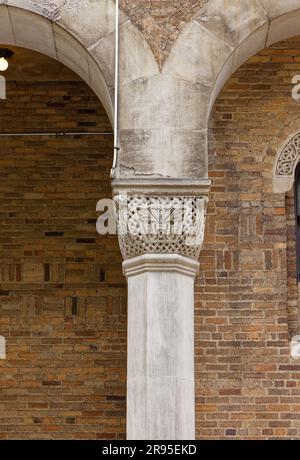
point(160, 224)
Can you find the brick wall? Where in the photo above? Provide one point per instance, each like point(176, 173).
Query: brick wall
point(246, 297)
point(62, 293)
point(161, 21)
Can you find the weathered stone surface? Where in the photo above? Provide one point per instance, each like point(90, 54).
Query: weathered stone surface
point(284, 26)
point(164, 153)
point(161, 22)
point(92, 23)
point(198, 55)
point(46, 8)
point(90, 20)
point(136, 59)
point(275, 8)
point(6, 32)
point(232, 20)
point(255, 42)
point(40, 38)
point(98, 85)
point(71, 53)
point(160, 398)
point(165, 98)
point(22, 27)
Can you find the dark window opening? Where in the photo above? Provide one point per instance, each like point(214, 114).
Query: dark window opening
point(297, 214)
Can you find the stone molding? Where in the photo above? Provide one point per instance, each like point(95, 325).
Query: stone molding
point(162, 187)
point(160, 224)
point(173, 263)
point(286, 163)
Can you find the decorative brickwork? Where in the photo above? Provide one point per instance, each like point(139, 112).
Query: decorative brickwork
point(62, 292)
point(247, 302)
point(161, 21)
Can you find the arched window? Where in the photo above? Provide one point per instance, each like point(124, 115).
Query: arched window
point(297, 215)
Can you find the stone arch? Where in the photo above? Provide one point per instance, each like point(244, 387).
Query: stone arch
point(81, 35)
point(224, 35)
point(286, 162)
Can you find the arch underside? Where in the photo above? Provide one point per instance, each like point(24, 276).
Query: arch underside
point(226, 34)
point(81, 36)
point(211, 47)
point(27, 29)
point(163, 114)
point(164, 127)
point(276, 21)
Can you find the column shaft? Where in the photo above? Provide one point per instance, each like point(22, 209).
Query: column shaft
point(160, 393)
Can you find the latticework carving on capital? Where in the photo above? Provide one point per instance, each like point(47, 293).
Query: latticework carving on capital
point(289, 157)
point(160, 225)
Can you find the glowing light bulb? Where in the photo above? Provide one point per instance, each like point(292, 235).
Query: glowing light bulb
point(3, 64)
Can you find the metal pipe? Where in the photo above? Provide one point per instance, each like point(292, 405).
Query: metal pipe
point(59, 134)
point(116, 108)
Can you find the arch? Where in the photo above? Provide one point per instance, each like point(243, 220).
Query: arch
point(286, 163)
point(224, 35)
point(79, 34)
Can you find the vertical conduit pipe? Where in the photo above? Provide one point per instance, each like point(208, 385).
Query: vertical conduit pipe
point(116, 108)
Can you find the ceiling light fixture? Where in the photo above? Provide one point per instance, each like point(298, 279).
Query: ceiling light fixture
point(5, 54)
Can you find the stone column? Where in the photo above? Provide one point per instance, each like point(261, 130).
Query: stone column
point(160, 372)
point(160, 238)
